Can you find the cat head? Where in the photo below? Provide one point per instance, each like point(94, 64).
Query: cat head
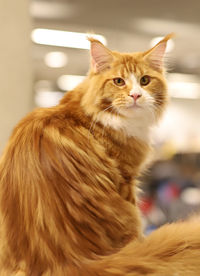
point(127, 85)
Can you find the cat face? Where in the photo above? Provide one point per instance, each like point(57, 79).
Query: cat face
point(127, 87)
point(131, 88)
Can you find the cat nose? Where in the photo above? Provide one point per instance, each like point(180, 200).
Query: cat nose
point(135, 96)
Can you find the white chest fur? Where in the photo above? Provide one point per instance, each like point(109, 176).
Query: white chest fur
point(132, 127)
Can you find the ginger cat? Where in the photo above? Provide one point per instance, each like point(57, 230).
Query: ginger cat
point(68, 179)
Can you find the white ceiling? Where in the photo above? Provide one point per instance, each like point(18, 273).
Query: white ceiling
point(128, 25)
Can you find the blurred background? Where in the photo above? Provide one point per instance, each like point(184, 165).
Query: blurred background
point(43, 54)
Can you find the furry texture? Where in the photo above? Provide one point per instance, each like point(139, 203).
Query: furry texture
point(68, 179)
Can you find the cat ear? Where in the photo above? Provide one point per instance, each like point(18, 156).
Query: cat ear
point(155, 56)
point(101, 57)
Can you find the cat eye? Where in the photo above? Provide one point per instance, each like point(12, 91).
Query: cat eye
point(145, 80)
point(119, 81)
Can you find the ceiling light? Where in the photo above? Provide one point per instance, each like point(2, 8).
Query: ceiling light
point(191, 196)
point(184, 86)
point(69, 82)
point(55, 59)
point(170, 43)
point(184, 90)
point(63, 38)
point(180, 77)
point(47, 98)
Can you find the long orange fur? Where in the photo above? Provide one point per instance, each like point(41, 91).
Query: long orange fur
point(68, 182)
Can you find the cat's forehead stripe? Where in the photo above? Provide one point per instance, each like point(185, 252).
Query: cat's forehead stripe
point(129, 67)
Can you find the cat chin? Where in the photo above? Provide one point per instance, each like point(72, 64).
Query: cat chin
point(132, 110)
point(140, 114)
point(134, 106)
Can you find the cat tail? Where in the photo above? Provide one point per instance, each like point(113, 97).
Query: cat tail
point(172, 250)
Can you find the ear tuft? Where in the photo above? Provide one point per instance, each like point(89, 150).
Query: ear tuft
point(101, 57)
point(155, 56)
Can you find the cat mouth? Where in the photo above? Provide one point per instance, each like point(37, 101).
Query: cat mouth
point(134, 106)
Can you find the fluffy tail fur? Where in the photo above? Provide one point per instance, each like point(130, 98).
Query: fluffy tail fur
point(173, 250)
